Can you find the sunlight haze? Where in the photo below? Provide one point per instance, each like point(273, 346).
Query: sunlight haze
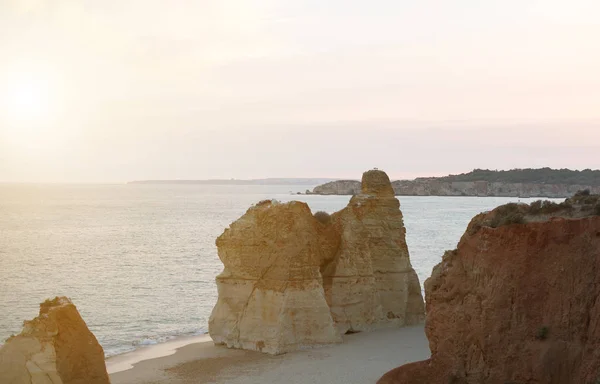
point(111, 91)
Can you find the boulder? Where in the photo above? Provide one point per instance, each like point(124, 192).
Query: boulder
point(54, 348)
point(293, 280)
point(518, 301)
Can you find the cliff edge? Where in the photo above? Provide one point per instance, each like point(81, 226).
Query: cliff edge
point(518, 301)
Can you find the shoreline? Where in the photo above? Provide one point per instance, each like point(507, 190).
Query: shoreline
point(126, 361)
point(362, 358)
point(397, 196)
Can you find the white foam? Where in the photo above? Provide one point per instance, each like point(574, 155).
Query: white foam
point(111, 352)
point(126, 361)
point(148, 342)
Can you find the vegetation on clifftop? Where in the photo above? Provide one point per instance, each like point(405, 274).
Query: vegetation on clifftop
point(529, 175)
point(582, 204)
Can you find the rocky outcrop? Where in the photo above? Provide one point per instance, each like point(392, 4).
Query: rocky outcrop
point(292, 279)
point(54, 348)
point(518, 301)
point(338, 187)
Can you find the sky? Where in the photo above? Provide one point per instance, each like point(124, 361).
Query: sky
point(118, 90)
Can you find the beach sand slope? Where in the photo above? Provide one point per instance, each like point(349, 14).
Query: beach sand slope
point(362, 358)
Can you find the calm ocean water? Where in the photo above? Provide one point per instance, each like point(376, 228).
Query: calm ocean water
point(139, 261)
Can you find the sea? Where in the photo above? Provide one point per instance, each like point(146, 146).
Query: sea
point(139, 260)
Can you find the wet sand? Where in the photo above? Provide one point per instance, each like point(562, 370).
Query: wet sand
point(362, 358)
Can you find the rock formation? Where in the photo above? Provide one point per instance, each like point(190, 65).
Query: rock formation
point(371, 281)
point(54, 348)
point(338, 187)
point(271, 295)
point(292, 279)
point(518, 301)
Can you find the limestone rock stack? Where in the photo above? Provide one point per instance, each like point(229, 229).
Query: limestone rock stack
point(54, 348)
point(518, 301)
point(370, 282)
point(292, 280)
point(271, 295)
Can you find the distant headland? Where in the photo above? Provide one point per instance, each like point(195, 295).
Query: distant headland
point(542, 182)
point(268, 181)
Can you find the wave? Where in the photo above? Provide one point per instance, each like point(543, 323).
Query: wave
point(152, 349)
point(147, 341)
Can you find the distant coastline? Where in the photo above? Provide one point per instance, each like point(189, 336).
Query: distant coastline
point(268, 181)
point(525, 183)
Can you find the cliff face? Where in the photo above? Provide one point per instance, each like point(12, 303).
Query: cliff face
point(518, 301)
point(436, 187)
point(291, 280)
point(54, 348)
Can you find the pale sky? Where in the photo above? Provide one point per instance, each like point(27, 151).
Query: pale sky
point(117, 90)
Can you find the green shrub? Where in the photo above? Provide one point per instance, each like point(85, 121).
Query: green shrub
point(510, 213)
point(591, 200)
point(542, 333)
point(506, 209)
point(548, 207)
point(585, 199)
point(535, 207)
point(566, 205)
point(515, 218)
point(585, 192)
point(323, 217)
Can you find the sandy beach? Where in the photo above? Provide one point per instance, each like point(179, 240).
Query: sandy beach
point(361, 359)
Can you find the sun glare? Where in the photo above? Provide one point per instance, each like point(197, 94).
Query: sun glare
point(28, 98)
point(30, 101)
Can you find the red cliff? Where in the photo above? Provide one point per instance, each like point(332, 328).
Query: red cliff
point(518, 301)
